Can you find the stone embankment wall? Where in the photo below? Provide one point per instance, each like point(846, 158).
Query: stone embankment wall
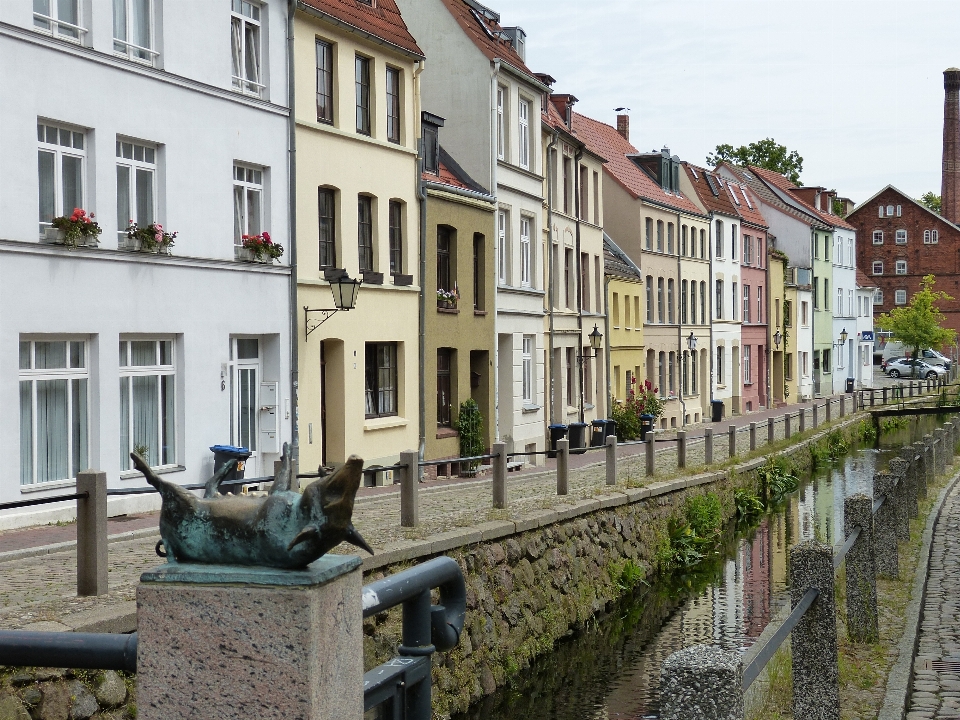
point(534, 581)
point(50, 694)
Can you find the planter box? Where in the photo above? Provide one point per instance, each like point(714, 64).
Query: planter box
point(372, 278)
point(401, 280)
point(55, 236)
point(333, 273)
point(248, 255)
point(125, 243)
point(446, 304)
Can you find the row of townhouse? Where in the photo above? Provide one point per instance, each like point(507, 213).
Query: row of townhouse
point(496, 235)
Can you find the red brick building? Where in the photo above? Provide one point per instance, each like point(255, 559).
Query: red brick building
point(898, 242)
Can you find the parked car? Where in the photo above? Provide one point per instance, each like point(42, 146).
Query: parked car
point(883, 365)
point(932, 357)
point(905, 367)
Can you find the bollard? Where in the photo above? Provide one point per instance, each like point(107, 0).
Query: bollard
point(611, 451)
point(731, 441)
point(843, 406)
point(786, 426)
point(753, 436)
point(816, 675)
point(860, 578)
point(500, 475)
point(651, 464)
point(911, 388)
point(702, 682)
point(770, 430)
point(681, 449)
point(931, 457)
point(909, 455)
point(884, 396)
point(803, 420)
point(899, 468)
point(708, 446)
point(923, 468)
point(885, 526)
point(816, 414)
point(829, 413)
point(938, 459)
point(409, 480)
point(563, 466)
point(949, 437)
point(92, 533)
point(873, 397)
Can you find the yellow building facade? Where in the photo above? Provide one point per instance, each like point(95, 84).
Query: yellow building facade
point(357, 175)
point(624, 290)
point(776, 264)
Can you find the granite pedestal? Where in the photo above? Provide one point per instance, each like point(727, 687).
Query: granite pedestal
point(223, 642)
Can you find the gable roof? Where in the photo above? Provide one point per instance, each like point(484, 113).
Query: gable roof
point(484, 29)
point(788, 186)
point(863, 281)
point(604, 140)
point(704, 183)
point(381, 20)
point(450, 173)
point(617, 263)
point(901, 193)
point(774, 196)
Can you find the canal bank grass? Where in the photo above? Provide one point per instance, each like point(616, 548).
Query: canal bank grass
point(863, 667)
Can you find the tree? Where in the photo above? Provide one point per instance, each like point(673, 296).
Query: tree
point(931, 201)
point(839, 209)
point(920, 324)
point(766, 153)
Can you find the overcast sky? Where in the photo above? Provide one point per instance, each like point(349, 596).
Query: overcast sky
point(855, 86)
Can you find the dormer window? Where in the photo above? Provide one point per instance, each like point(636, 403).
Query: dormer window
point(431, 125)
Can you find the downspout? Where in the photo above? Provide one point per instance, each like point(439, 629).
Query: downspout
point(606, 330)
point(496, 267)
point(422, 197)
point(711, 291)
point(292, 202)
point(683, 299)
point(551, 285)
point(583, 358)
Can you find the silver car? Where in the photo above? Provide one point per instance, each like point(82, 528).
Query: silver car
point(905, 367)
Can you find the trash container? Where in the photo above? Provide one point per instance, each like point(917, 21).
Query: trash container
point(611, 429)
point(557, 432)
point(578, 438)
point(646, 425)
point(222, 454)
point(849, 385)
point(716, 406)
point(598, 435)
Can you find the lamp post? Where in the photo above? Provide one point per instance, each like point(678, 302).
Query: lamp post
point(344, 289)
point(777, 337)
point(596, 342)
point(692, 342)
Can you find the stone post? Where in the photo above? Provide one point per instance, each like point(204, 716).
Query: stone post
point(900, 468)
point(500, 475)
point(911, 388)
point(861, 571)
point(815, 411)
point(753, 436)
point(611, 452)
point(770, 430)
point(873, 397)
point(803, 420)
point(884, 396)
point(563, 466)
point(651, 449)
point(218, 641)
point(92, 533)
point(949, 439)
point(708, 446)
point(409, 480)
point(939, 460)
point(885, 526)
point(813, 642)
point(923, 468)
point(931, 457)
point(681, 449)
point(702, 682)
point(843, 405)
point(828, 412)
point(786, 426)
point(908, 455)
point(731, 441)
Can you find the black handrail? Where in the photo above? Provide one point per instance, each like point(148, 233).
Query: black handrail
point(43, 501)
point(92, 651)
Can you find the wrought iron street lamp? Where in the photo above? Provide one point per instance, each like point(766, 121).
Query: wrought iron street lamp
point(777, 337)
point(692, 342)
point(843, 336)
point(345, 290)
point(596, 338)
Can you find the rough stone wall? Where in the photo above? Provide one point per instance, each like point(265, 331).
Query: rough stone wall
point(52, 694)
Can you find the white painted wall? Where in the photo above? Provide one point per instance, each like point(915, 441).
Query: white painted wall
point(726, 328)
point(845, 317)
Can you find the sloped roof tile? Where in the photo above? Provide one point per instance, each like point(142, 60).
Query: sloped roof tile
point(381, 19)
point(787, 186)
point(486, 35)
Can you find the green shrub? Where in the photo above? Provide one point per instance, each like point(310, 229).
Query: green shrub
point(776, 477)
point(470, 427)
point(749, 507)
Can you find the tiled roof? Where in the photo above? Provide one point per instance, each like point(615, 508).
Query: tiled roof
point(486, 35)
point(381, 19)
point(787, 186)
point(616, 262)
point(553, 118)
point(604, 140)
point(768, 196)
point(863, 281)
point(724, 202)
point(453, 175)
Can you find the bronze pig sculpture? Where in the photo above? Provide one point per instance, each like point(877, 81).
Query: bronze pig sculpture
point(286, 529)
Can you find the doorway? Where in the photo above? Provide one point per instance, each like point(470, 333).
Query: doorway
point(245, 399)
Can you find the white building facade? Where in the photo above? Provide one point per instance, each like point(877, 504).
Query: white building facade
point(727, 307)
point(844, 307)
point(177, 118)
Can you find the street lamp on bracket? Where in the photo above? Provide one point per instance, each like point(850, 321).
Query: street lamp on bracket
point(345, 290)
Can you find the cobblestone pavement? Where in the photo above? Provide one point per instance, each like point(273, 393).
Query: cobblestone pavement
point(936, 682)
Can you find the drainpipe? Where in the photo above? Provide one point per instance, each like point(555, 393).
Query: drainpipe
point(606, 330)
point(711, 291)
point(551, 284)
point(292, 202)
point(576, 200)
point(495, 70)
point(679, 289)
point(766, 260)
point(422, 197)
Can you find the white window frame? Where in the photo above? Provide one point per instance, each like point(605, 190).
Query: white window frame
point(526, 259)
point(135, 158)
point(523, 128)
point(889, 210)
point(501, 127)
point(248, 186)
point(878, 237)
point(49, 21)
point(122, 45)
point(901, 267)
point(747, 356)
point(74, 136)
point(166, 439)
point(526, 354)
point(246, 16)
point(839, 307)
point(878, 267)
point(503, 229)
point(71, 374)
point(851, 260)
point(900, 237)
point(900, 297)
point(878, 297)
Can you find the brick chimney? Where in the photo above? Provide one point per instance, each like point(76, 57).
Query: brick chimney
point(950, 188)
point(623, 125)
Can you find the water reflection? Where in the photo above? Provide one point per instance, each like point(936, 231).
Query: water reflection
point(611, 669)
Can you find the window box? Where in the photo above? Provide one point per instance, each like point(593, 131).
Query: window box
point(330, 274)
point(372, 278)
point(402, 280)
point(135, 245)
point(247, 255)
point(443, 304)
point(55, 236)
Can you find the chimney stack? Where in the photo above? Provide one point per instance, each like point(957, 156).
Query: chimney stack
point(950, 188)
point(623, 125)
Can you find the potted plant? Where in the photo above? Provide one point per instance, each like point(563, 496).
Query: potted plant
point(74, 230)
point(260, 248)
point(448, 298)
point(151, 238)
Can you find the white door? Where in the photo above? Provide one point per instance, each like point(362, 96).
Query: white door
point(245, 405)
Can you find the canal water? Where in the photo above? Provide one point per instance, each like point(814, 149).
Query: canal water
point(611, 668)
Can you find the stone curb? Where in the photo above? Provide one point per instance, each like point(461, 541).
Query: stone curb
point(898, 681)
point(70, 544)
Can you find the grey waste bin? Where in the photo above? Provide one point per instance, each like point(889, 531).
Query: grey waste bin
point(598, 434)
point(557, 432)
point(578, 440)
point(716, 407)
point(222, 454)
